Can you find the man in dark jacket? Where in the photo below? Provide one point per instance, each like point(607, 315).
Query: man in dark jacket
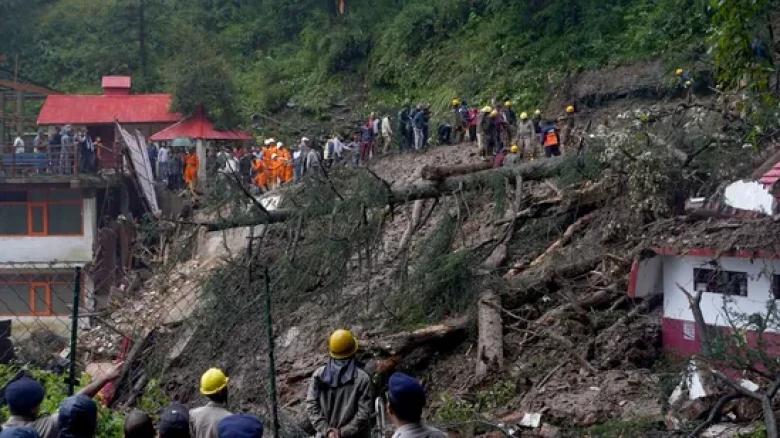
point(19, 432)
point(78, 417)
point(240, 426)
point(139, 424)
point(404, 128)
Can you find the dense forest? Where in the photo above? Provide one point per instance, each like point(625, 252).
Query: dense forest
point(247, 56)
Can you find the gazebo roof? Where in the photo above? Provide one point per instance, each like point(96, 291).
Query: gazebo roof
point(198, 126)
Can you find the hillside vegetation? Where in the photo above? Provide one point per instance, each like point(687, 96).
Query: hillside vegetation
point(305, 53)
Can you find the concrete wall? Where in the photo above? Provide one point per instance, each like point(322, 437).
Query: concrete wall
point(74, 249)
point(680, 270)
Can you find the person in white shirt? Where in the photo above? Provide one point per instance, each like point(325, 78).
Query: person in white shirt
point(163, 157)
point(19, 144)
point(387, 134)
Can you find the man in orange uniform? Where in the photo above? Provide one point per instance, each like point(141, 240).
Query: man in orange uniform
point(275, 168)
point(191, 166)
point(285, 157)
point(261, 174)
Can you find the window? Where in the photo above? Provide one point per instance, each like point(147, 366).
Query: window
point(720, 282)
point(36, 294)
point(45, 212)
point(776, 286)
point(689, 331)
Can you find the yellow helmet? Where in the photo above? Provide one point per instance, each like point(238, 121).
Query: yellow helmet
point(678, 72)
point(538, 112)
point(494, 113)
point(523, 116)
point(570, 109)
point(487, 109)
point(455, 102)
point(342, 344)
point(507, 104)
point(513, 149)
point(213, 381)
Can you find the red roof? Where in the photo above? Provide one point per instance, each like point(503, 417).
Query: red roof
point(771, 177)
point(198, 126)
point(103, 109)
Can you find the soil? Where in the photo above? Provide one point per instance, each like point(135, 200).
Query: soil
point(545, 374)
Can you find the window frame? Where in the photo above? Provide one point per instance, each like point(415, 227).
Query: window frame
point(44, 205)
point(712, 271)
point(32, 280)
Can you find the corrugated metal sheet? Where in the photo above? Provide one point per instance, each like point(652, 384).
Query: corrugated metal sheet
point(198, 126)
point(102, 109)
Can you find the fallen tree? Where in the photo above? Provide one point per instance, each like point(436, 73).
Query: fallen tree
point(535, 170)
point(438, 173)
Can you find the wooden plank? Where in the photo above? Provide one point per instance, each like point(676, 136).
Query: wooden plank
point(20, 86)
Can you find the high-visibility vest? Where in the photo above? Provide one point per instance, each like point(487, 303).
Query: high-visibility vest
point(550, 138)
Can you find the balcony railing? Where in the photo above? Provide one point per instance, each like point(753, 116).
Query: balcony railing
point(57, 160)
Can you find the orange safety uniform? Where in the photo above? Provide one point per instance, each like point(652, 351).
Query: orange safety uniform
point(261, 173)
point(191, 165)
point(268, 152)
point(275, 168)
point(286, 173)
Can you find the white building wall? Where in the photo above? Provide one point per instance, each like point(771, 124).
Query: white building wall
point(679, 269)
point(38, 249)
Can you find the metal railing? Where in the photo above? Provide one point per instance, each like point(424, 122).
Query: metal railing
point(57, 160)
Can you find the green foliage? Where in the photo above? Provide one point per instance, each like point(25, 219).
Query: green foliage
point(439, 282)
point(243, 57)
point(453, 409)
point(198, 75)
point(109, 422)
point(153, 399)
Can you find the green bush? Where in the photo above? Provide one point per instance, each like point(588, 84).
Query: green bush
point(109, 422)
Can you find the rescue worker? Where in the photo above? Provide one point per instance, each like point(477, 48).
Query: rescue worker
point(275, 168)
point(484, 127)
point(686, 80)
point(139, 424)
point(338, 403)
point(24, 397)
point(494, 142)
point(77, 417)
point(261, 174)
point(191, 166)
point(459, 122)
point(240, 426)
point(525, 135)
point(510, 124)
point(513, 157)
point(537, 119)
point(285, 157)
point(174, 422)
point(406, 400)
point(313, 164)
point(205, 419)
point(552, 140)
point(567, 139)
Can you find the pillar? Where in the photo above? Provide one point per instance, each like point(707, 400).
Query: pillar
point(200, 149)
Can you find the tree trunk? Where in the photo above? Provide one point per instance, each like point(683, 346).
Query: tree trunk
point(535, 170)
point(413, 221)
point(438, 173)
point(490, 342)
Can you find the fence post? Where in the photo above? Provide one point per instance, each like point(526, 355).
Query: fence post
point(74, 327)
point(271, 358)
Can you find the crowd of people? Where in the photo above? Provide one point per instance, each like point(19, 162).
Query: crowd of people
point(340, 403)
point(64, 152)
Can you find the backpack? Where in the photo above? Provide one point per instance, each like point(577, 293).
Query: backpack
point(464, 114)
